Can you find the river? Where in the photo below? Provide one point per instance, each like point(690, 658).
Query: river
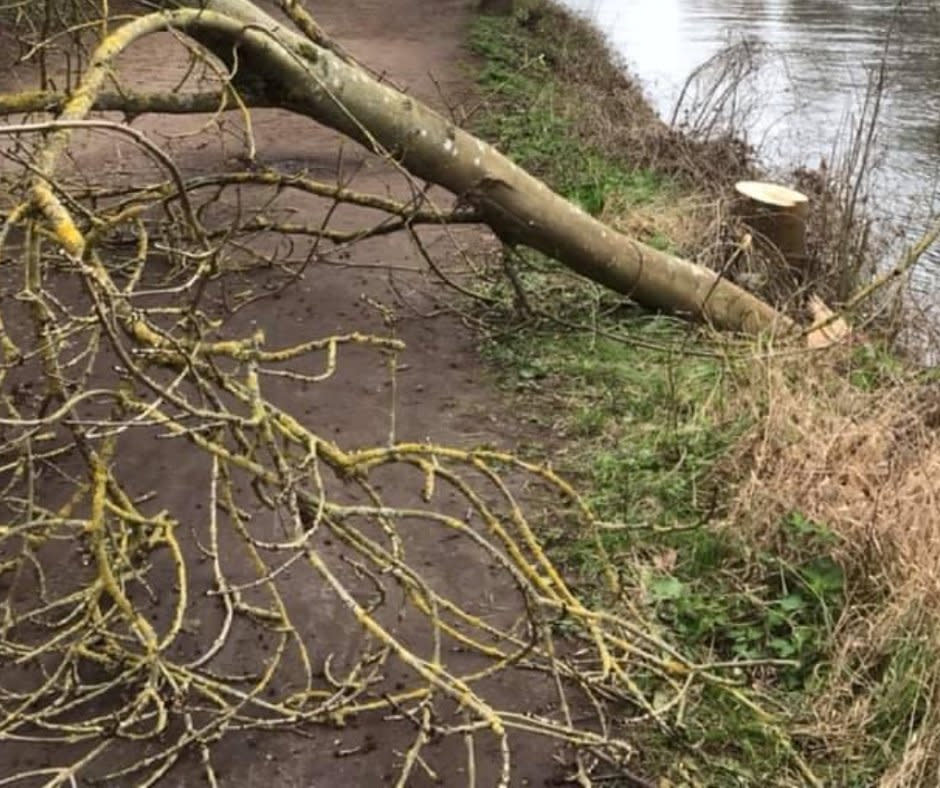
point(816, 65)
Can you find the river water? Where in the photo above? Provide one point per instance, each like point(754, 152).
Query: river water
point(817, 60)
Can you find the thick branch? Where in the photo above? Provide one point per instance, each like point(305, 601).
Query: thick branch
point(312, 80)
point(128, 102)
point(295, 73)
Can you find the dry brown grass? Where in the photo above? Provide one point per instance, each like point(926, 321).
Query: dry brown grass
point(685, 219)
point(866, 465)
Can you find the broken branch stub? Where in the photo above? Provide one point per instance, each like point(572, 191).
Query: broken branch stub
point(521, 209)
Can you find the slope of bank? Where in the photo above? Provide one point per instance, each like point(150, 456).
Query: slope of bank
point(773, 510)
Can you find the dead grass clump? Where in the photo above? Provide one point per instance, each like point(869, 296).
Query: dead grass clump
point(680, 222)
point(865, 466)
point(863, 463)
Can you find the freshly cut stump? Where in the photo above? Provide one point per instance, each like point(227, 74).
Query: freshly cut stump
point(777, 215)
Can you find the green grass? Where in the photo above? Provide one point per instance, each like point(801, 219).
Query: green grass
point(534, 125)
point(644, 432)
point(645, 409)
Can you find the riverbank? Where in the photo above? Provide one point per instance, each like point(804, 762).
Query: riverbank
point(772, 510)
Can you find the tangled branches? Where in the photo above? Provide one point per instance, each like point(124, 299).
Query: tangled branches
point(186, 557)
point(123, 622)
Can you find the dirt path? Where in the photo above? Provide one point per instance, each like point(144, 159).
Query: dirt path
point(442, 394)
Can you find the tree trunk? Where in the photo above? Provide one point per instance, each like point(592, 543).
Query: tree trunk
point(296, 73)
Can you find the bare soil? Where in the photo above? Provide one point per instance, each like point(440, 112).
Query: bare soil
point(442, 394)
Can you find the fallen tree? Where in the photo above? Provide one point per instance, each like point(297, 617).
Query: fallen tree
point(273, 65)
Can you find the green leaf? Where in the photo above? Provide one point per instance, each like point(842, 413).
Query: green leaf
point(782, 647)
point(665, 587)
point(791, 602)
point(824, 576)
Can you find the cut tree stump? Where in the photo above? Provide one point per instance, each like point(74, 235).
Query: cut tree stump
point(777, 215)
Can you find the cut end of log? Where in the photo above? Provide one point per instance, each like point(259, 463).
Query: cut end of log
point(828, 329)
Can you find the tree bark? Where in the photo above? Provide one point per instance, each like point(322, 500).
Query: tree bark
point(301, 75)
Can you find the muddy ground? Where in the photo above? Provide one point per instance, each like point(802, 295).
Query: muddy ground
point(442, 393)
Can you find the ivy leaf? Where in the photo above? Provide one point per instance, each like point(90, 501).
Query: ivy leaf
point(824, 576)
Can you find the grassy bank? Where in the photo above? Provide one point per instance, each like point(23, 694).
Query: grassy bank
point(746, 490)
